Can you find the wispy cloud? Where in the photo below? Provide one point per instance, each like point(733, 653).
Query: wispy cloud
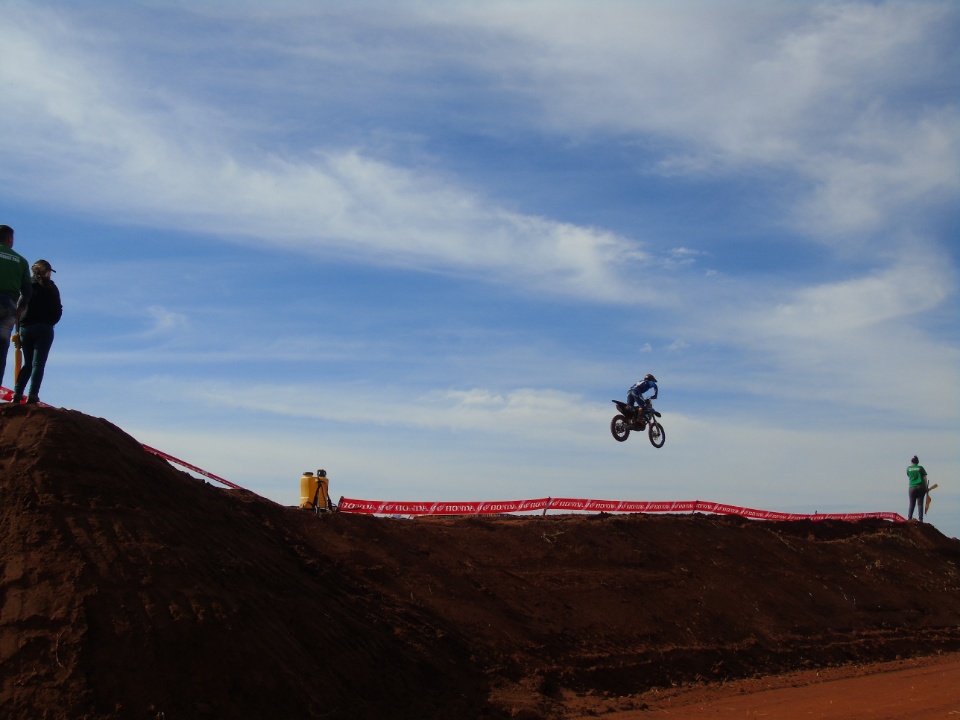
point(855, 99)
point(90, 140)
point(806, 90)
point(858, 339)
point(524, 414)
point(164, 322)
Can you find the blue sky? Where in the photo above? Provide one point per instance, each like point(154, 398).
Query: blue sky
point(423, 244)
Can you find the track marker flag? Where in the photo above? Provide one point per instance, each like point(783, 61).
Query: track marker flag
point(926, 508)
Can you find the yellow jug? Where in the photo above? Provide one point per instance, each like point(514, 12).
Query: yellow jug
point(314, 493)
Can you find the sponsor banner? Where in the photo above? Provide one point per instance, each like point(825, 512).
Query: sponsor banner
point(620, 505)
point(895, 517)
point(721, 509)
point(378, 507)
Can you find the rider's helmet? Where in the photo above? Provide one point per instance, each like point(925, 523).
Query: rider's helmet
point(650, 377)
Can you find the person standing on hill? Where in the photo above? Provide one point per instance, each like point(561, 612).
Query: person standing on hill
point(917, 478)
point(43, 311)
point(15, 290)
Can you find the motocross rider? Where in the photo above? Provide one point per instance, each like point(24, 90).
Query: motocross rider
point(635, 394)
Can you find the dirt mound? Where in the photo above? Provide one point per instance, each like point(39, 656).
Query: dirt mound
point(132, 590)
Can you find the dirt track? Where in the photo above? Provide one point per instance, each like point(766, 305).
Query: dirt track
point(131, 590)
point(921, 689)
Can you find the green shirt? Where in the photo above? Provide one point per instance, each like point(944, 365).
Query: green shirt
point(14, 272)
point(917, 475)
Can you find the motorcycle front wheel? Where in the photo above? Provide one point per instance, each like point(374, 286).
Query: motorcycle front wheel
point(657, 436)
point(619, 428)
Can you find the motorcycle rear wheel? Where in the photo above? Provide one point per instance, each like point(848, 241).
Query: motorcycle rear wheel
point(619, 428)
point(657, 435)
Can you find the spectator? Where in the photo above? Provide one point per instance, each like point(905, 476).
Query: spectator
point(15, 290)
point(43, 311)
point(917, 477)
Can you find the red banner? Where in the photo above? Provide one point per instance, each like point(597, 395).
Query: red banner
point(620, 505)
point(379, 507)
point(375, 507)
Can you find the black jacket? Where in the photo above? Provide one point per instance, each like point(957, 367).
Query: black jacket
point(44, 305)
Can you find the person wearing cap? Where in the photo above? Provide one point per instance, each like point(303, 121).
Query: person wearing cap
point(42, 312)
point(635, 393)
point(917, 478)
point(15, 290)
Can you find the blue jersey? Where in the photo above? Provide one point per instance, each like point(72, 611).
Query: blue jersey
point(641, 387)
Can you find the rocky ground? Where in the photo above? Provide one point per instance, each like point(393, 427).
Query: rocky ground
point(132, 590)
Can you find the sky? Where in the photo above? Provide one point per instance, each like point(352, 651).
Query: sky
point(423, 245)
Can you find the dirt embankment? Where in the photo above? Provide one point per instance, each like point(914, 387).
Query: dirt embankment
point(132, 590)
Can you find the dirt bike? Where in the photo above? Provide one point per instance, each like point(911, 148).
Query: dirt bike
point(637, 419)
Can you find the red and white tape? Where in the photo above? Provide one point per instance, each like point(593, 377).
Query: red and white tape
point(194, 468)
point(7, 394)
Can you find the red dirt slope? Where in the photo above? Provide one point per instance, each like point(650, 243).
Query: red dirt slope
point(131, 590)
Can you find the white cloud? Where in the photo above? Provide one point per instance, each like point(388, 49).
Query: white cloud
point(820, 90)
point(76, 134)
point(830, 311)
point(858, 342)
point(802, 89)
point(165, 322)
point(524, 414)
point(888, 168)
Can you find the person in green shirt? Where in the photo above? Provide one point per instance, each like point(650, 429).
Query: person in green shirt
point(918, 487)
point(16, 287)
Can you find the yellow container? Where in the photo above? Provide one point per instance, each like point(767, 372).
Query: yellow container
point(314, 493)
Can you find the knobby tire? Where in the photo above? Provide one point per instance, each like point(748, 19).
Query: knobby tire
point(619, 428)
point(657, 436)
